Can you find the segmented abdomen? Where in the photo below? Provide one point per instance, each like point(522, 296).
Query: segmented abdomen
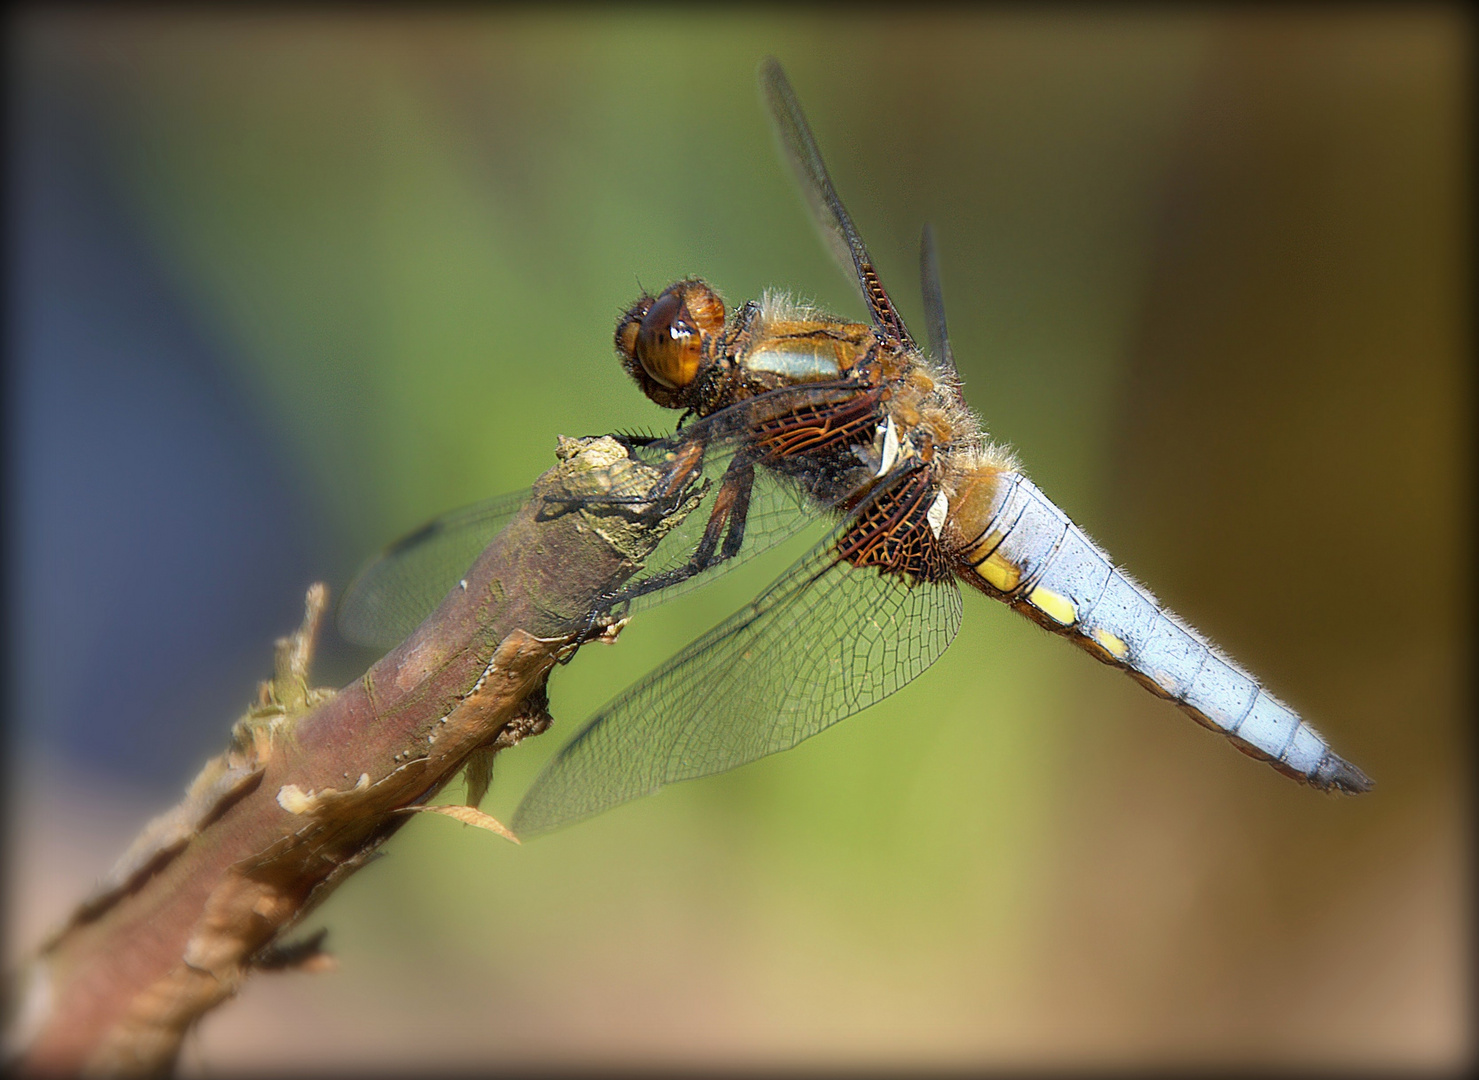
point(1030, 555)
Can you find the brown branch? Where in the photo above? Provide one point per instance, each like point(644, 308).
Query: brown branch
point(314, 781)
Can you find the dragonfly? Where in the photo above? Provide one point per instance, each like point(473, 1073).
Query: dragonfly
point(793, 417)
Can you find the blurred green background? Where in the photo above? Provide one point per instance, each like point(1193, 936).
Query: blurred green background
point(1206, 272)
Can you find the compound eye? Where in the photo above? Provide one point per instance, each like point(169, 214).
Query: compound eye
point(668, 344)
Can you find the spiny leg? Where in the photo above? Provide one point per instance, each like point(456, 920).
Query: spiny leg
point(726, 519)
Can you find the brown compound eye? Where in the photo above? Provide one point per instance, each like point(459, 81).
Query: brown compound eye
point(626, 329)
point(669, 339)
point(668, 344)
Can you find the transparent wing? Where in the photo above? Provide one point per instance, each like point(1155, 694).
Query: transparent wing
point(403, 584)
point(838, 231)
point(826, 640)
point(934, 301)
point(396, 590)
point(779, 509)
point(812, 448)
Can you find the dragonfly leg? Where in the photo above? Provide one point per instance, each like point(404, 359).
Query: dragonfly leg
point(726, 520)
point(667, 503)
point(678, 486)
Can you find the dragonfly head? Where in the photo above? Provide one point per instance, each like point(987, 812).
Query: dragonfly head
point(662, 340)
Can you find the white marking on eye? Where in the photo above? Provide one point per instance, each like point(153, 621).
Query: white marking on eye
point(890, 446)
point(937, 511)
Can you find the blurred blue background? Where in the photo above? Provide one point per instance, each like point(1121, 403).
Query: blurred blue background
point(284, 285)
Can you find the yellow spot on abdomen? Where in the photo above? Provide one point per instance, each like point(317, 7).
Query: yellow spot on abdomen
point(1110, 644)
point(1000, 573)
point(1055, 605)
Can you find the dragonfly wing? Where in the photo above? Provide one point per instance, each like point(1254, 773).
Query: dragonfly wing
point(934, 301)
point(391, 595)
point(799, 147)
point(396, 590)
point(826, 640)
point(403, 584)
point(779, 509)
point(837, 422)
